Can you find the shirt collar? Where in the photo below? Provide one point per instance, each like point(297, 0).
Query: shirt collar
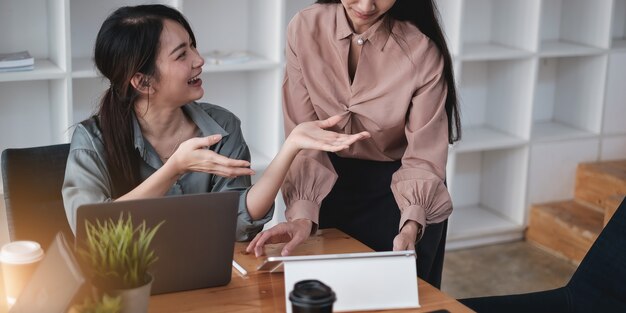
point(376, 34)
point(201, 118)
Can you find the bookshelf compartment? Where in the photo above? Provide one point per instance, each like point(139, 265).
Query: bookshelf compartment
point(488, 191)
point(27, 114)
point(553, 168)
point(499, 29)
point(568, 97)
point(615, 107)
point(43, 38)
point(450, 12)
point(255, 30)
point(618, 25)
point(86, 18)
point(564, 32)
point(496, 98)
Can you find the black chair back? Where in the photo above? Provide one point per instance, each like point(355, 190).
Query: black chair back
point(32, 180)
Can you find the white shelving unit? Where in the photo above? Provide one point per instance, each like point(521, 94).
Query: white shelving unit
point(542, 89)
point(541, 84)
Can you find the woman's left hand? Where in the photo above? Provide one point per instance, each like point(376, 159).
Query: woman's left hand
point(312, 135)
point(405, 240)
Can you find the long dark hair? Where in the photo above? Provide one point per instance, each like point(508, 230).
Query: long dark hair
point(425, 16)
point(127, 43)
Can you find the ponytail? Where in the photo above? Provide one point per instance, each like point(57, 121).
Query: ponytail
point(116, 125)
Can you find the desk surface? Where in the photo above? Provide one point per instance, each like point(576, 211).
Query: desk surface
point(265, 292)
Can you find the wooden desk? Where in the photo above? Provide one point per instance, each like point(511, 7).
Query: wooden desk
point(265, 292)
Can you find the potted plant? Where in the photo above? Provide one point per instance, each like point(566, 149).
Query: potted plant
point(118, 256)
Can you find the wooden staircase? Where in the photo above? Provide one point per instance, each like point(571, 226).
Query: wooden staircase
point(569, 228)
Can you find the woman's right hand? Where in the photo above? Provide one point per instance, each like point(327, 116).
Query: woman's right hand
point(292, 232)
point(193, 155)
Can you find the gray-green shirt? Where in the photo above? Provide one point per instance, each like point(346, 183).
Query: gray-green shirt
point(87, 178)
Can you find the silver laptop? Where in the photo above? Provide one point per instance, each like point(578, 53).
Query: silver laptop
point(195, 244)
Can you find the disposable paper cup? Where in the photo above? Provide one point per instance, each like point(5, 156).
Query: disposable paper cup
point(19, 260)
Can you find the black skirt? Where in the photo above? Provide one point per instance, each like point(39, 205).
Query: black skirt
point(362, 205)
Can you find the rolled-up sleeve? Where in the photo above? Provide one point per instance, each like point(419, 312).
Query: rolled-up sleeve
point(418, 186)
point(311, 175)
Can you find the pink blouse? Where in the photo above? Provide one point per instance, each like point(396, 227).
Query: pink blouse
point(398, 95)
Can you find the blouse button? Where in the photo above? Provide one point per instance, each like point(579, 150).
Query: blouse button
point(360, 41)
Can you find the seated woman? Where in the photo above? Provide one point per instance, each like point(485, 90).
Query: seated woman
point(150, 138)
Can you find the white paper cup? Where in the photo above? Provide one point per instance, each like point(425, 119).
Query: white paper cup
point(19, 260)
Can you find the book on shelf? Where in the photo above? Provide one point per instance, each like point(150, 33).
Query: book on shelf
point(217, 57)
point(16, 61)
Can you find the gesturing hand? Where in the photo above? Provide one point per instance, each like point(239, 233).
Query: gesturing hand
point(312, 135)
point(192, 156)
point(292, 232)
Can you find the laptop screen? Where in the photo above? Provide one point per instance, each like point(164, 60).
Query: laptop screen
point(194, 245)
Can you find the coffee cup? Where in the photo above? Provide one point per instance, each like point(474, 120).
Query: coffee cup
point(19, 260)
point(311, 296)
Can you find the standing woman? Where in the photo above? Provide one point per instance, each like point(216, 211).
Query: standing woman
point(150, 138)
point(384, 67)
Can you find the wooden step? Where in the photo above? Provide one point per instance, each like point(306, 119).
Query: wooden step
point(611, 206)
point(598, 182)
point(566, 228)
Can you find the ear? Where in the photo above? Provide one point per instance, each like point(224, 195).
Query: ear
point(141, 83)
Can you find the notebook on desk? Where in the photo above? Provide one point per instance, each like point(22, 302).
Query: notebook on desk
point(195, 244)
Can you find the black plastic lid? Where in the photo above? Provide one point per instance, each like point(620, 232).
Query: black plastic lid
point(312, 293)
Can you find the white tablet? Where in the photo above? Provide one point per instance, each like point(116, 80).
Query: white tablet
point(361, 281)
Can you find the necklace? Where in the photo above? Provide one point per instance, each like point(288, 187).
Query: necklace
point(178, 141)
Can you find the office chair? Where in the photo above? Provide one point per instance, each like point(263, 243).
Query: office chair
point(598, 285)
point(32, 180)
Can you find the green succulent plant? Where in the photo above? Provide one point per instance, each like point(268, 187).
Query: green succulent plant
point(119, 254)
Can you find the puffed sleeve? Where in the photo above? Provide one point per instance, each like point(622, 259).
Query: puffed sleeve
point(311, 175)
point(86, 177)
point(418, 186)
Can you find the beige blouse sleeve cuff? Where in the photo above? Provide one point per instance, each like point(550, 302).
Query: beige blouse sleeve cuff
point(306, 185)
point(421, 196)
point(304, 209)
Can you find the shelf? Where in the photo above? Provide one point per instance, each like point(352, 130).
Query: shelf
point(44, 69)
point(555, 48)
point(476, 225)
point(497, 29)
point(491, 51)
point(570, 91)
point(477, 138)
point(553, 131)
point(488, 190)
point(562, 21)
point(497, 95)
point(83, 68)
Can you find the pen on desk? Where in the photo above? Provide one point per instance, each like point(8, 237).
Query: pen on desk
point(240, 268)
